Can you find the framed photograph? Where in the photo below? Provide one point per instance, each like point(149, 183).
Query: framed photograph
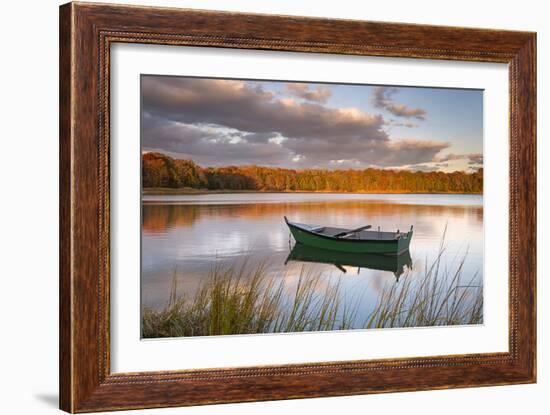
point(260, 207)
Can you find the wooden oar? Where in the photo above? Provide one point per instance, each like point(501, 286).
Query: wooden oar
point(340, 267)
point(346, 233)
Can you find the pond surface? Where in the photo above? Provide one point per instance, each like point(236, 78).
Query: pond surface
point(189, 235)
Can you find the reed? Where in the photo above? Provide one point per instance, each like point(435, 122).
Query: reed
point(440, 297)
point(237, 301)
point(244, 300)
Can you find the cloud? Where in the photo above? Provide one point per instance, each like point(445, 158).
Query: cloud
point(426, 168)
point(260, 137)
point(395, 123)
point(451, 162)
point(211, 146)
point(225, 122)
point(475, 159)
point(301, 90)
point(248, 107)
point(471, 158)
point(382, 99)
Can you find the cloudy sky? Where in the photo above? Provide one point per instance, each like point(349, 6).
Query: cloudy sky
point(304, 125)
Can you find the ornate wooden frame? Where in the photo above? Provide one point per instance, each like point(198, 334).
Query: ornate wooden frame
point(86, 33)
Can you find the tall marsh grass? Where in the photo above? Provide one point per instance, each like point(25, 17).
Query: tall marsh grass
point(246, 301)
point(438, 298)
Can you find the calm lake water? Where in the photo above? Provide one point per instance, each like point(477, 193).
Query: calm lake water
point(191, 234)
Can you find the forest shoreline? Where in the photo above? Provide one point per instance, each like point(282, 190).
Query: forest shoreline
point(166, 191)
point(163, 172)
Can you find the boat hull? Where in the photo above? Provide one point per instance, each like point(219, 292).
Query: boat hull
point(388, 247)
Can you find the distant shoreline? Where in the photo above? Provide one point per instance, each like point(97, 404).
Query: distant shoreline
point(168, 191)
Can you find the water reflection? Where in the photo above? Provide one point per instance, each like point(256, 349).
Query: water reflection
point(193, 234)
point(397, 264)
point(160, 217)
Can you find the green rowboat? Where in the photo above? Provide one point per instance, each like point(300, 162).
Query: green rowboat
point(359, 240)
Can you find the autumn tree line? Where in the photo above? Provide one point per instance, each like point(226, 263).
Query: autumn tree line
point(161, 171)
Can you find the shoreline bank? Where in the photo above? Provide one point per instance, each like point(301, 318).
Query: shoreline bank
point(167, 191)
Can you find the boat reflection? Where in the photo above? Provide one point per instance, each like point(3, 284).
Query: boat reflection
point(393, 263)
